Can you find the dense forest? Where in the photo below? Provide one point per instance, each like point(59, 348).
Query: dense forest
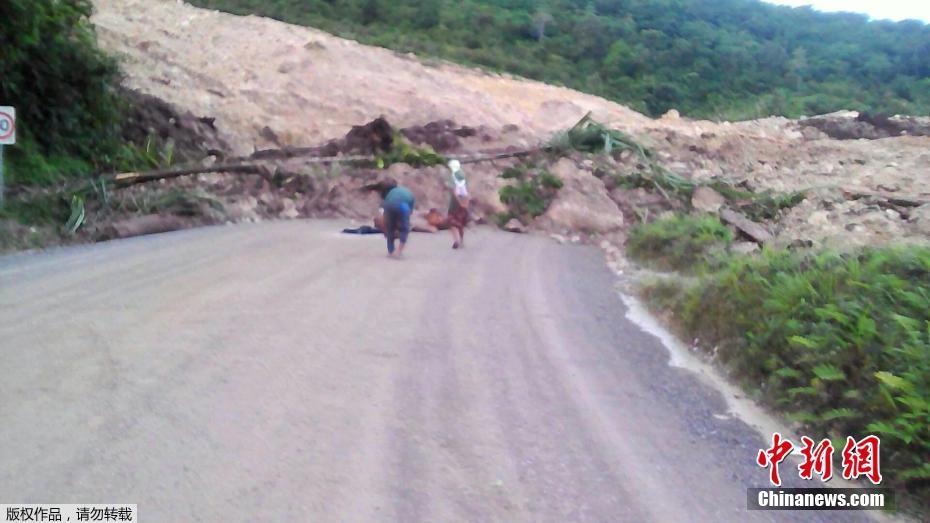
point(64, 89)
point(724, 59)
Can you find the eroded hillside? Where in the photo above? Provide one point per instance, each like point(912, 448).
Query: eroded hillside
point(268, 84)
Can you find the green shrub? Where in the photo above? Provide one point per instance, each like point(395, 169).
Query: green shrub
point(63, 87)
point(403, 151)
point(529, 196)
point(684, 243)
point(839, 341)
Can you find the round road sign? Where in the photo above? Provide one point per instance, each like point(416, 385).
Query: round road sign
point(7, 125)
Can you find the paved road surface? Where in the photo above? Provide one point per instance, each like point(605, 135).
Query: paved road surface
point(283, 372)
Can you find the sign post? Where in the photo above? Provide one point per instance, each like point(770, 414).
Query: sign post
point(7, 137)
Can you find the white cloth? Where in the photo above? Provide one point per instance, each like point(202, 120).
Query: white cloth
point(461, 189)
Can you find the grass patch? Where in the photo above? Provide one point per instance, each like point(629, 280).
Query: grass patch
point(402, 151)
point(530, 194)
point(682, 243)
point(839, 342)
point(591, 136)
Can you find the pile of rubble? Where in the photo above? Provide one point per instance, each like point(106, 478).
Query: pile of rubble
point(852, 125)
point(274, 87)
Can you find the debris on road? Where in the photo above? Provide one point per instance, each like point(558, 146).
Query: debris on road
point(514, 225)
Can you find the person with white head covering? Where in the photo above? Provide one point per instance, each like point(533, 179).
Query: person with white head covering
point(458, 204)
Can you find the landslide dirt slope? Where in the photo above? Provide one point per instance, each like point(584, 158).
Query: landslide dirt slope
point(266, 81)
point(309, 86)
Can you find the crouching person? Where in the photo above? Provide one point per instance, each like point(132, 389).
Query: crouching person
point(398, 205)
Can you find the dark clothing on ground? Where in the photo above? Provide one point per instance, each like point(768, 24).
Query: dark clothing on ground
point(364, 229)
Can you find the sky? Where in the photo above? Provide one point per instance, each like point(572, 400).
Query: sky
point(879, 9)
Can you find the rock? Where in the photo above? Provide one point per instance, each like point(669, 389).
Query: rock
point(638, 197)
point(289, 211)
point(672, 114)
point(566, 169)
point(242, 208)
point(920, 217)
point(558, 237)
point(819, 218)
point(707, 200)
point(582, 205)
point(748, 227)
point(140, 225)
point(514, 225)
point(744, 248)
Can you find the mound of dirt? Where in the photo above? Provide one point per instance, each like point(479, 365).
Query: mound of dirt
point(375, 137)
point(443, 136)
point(270, 84)
point(850, 125)
point(149, 117)
point(306, 86)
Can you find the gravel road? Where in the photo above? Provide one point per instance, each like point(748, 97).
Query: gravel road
point(285, 372)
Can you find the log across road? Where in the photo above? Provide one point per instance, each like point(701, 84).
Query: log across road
point(285, 372)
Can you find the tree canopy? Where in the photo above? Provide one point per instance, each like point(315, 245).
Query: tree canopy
point(63, 87)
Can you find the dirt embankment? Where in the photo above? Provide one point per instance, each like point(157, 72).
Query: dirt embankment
point(308, 86)
point(265, 84)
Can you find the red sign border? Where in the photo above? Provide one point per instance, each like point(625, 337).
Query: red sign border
point(12, 125)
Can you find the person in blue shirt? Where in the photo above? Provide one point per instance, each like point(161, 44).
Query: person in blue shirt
point(398, 205)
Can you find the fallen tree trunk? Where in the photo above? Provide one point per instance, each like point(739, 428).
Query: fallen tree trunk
point(132, 178)
point(753, 230)
point(491, 157)
point(245, 166)
point(142, 225)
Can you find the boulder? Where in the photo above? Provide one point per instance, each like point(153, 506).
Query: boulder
point(707, 200)
point(582, 205)
point(514, 225)
point(567, 169)
point(744, 248)
point(920, 217)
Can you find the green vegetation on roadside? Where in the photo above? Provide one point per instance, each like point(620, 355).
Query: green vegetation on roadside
point(529, 194)
point(680, 243)
point(70, 120)
point(402, 151)
point(732, 59)
point(838, 341)
point(64, 90)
